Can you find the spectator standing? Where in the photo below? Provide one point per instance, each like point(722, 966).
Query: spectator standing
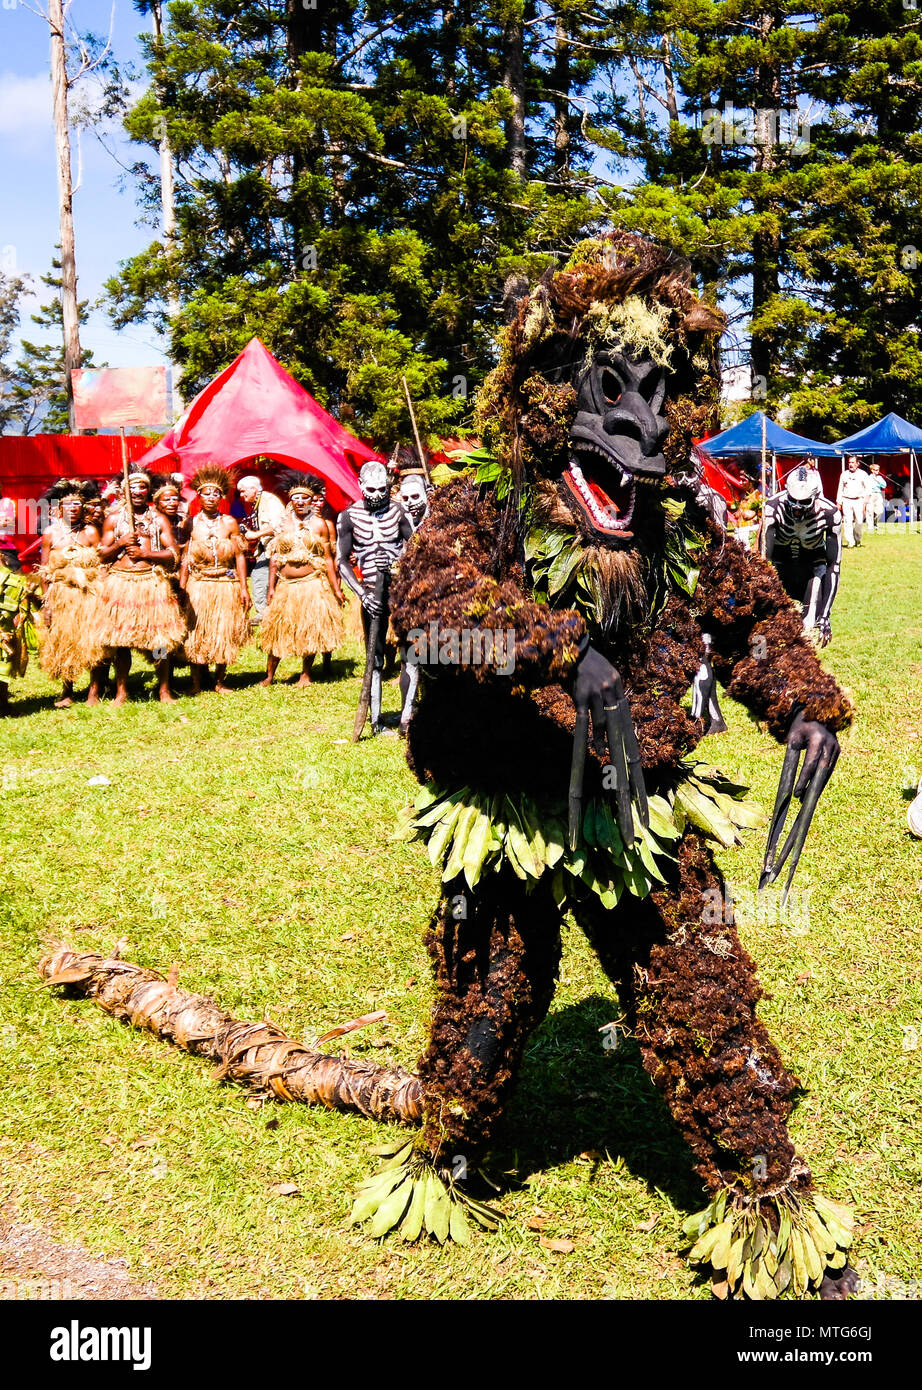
point(9, 555)
point(852, 498)
point(877, 492)
point(265, 516)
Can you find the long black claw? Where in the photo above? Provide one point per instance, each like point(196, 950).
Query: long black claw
point(779, 815)
point(793, 845)
point(614, 727)
point(577, 768)
point(635, 767)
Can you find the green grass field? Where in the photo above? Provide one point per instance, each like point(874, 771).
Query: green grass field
point(246, 839)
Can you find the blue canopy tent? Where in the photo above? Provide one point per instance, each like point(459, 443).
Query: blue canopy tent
point(747, 437)
point(891, 435)
point(758, 434)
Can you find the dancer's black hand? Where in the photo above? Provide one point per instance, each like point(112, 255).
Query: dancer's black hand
point(599, 691)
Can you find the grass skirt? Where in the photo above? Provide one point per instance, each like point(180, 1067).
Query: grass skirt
point(303, 618)
point(139, 609)
point(218, 624)
point(70, 621)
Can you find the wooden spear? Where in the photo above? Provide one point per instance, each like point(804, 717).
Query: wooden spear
point(419, 447)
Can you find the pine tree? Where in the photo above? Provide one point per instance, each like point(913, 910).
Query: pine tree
point(38, 392)
point(779, 149)
point(350, 187)
point(12, 289)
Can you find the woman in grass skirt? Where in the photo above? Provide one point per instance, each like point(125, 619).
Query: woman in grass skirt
point(214, 578)
point(139, 610)
point(304, 615)
point(71, 574)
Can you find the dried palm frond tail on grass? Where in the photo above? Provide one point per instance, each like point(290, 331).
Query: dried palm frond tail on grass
point(258, 1055)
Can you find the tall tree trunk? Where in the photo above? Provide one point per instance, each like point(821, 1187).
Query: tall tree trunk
point(69, 308)
point(672, 105)
point(168, 209)
point(514, 82)
point(561, 80)
point(305, 33)
point(766, 242)
point(449, 45)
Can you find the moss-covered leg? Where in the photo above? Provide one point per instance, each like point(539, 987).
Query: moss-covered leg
point(690, 992)
point(495, 952)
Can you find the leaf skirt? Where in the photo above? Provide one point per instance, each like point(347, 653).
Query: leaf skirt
point(471, 833)
point(70, 617)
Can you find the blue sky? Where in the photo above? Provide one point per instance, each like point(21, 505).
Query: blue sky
point(105, 214)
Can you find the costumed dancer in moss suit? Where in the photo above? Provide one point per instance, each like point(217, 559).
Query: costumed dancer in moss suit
point(585, 537)
point(580, 540)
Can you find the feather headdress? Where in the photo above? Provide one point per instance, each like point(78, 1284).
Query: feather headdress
point(291, 481)
point(212, 475)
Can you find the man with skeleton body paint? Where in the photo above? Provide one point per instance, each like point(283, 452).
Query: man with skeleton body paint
point(414, 497)
point(803, 540)
point(375, 532)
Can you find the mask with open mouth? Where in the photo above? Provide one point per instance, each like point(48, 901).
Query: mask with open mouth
point(616, 436)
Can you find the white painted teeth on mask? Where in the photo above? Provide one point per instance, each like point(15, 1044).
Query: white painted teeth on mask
point(601, 518)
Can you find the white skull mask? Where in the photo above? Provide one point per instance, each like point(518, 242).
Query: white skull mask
point(414, 498)
point(373, 482)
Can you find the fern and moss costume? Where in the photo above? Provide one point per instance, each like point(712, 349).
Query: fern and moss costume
point(580, 535)
point(640, 571)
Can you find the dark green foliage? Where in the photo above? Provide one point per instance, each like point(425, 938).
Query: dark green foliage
point(355, 184)
point(37, 393)
point(347, 197)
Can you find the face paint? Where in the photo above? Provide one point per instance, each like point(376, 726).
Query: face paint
point(414, 498)
point(211, 496)
point(375, 490)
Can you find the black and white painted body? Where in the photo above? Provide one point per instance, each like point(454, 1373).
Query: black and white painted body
point(414, 497)
point(372, 534)
point(803, 540)
point(704, 704)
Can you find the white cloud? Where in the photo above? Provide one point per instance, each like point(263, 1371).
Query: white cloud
point(25, 103)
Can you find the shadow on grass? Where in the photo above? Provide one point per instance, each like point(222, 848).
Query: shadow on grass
point(573, 1097)
point(36, 704)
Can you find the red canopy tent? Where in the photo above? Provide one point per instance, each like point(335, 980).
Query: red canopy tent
point(30, 463)
point(724, 477)
point(253, 409)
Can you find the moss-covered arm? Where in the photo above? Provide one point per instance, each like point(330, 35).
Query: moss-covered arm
point(448, 577)
point(759, 650)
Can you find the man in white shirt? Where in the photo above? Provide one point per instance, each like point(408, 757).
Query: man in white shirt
point(265, 515)
point(852, 498)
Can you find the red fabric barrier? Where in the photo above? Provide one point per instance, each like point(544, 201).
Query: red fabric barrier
point(29, 464)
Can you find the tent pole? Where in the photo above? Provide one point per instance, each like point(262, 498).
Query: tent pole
point(912, 488)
